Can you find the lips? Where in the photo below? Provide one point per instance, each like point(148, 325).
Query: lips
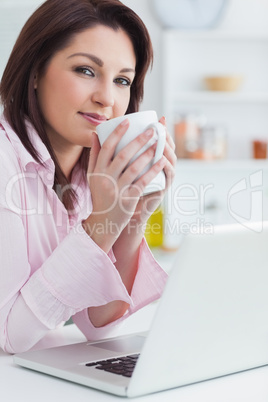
point(94, 118)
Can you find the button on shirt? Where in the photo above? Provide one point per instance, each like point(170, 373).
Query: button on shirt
point(50, 269)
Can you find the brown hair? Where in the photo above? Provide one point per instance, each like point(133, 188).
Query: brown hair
point(48, 30)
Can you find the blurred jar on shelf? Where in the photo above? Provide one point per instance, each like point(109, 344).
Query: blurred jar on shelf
point(195, 139)
point(260, 149)
point(214, 142)
point(187, 135)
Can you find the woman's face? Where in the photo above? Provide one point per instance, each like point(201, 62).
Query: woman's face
point(85, 84)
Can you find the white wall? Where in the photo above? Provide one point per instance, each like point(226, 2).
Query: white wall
point(240, 15)
point(13, 15)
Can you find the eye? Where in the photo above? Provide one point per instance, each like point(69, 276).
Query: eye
point(85, 71)
point(123, 81)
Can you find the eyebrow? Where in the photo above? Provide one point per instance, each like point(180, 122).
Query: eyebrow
point(99, 62)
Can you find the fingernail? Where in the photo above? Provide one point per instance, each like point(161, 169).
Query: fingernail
point(149, 132)
point(163, 120)
point(124, 122)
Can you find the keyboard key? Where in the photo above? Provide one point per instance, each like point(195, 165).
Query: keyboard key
point(123, 365)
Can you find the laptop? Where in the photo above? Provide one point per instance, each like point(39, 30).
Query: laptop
point(212, 320)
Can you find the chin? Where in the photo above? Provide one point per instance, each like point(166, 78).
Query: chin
point(87, 143)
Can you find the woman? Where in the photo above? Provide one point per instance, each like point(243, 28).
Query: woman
point(75, 64)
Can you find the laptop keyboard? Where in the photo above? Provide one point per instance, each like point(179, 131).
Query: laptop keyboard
point(122, 365)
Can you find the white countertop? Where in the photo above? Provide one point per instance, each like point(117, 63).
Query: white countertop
point(20, 384)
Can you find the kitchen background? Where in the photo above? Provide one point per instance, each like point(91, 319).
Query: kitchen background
point(210, 79)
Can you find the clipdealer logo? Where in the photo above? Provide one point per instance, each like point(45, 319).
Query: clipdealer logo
point(252, 188)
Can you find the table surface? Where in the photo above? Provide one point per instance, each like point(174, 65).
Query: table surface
point(18, 383)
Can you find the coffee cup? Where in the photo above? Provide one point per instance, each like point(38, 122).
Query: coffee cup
point(138, 123)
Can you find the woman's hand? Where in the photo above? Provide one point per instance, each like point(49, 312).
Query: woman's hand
point(117, 201)
point(114, 198)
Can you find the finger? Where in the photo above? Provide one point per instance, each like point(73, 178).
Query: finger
point(135, 169)
point(170, 141)
point(147, 177)
point(108, 147)
point(94, 152)
point(170, 154)
point(169, 171)
point(163, 121)
point(132, 151)
point(168, 136)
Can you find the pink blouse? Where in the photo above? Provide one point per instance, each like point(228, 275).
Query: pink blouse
point(50, 269)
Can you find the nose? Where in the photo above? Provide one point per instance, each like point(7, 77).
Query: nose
point(103, 94)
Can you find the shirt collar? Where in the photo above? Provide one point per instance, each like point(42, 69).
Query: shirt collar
point(23, 155)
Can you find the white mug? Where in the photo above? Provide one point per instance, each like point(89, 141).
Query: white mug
point(138, 123)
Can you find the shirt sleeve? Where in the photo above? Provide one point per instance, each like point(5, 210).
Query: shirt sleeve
point(148, 287)
point(78, 274)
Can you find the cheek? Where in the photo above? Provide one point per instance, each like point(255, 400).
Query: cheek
point(56, 97)
point(122, 103)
